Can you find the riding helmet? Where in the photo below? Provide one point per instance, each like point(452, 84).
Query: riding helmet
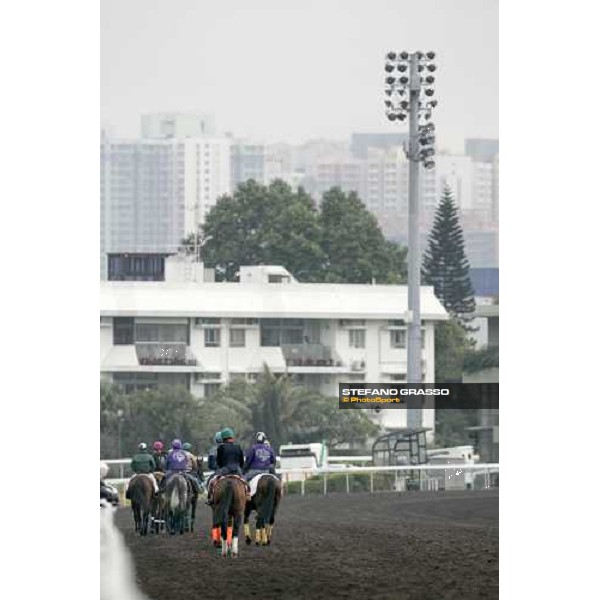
point(186, 446)
point(142, 446)
point(158, 446)
point(218, 437)
point(227, 433)
point(261, 437)
point(176, 444)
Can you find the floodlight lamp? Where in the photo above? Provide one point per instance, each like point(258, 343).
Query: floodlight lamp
point(433, 103)
point(420, 55)
point(429, 164)
point(430, 55)
point(431, 68)
point(388, 103)
point(391, 55)
point(403, 80)
point(401, 116)
point(389, 68)
point(391, 116)
point(389, 92)
point(404, 104)
point(429, 92)
point(430, 79)
point(420, 68)
point(401, 68)
point(404, 55)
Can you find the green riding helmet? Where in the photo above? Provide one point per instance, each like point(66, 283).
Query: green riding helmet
point(227, 433)
point(186, 446)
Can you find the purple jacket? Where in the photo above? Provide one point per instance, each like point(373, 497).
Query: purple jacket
point(176, 460)
point(259, 457)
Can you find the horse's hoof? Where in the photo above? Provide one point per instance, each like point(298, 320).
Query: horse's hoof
point(268, 542)
point(258, 543)
point(248, 541)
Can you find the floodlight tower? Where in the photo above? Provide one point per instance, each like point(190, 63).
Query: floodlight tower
point(409, 94)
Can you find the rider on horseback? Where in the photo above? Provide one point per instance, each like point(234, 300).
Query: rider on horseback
point(193, 470)
point(159, 456)
point(212, 454)
point(230, 458)
point(260, 458)
point(143, 463)
point(176, 462)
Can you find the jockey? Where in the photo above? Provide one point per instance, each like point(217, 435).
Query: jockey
point(230, 458)
point(212, 455)
point(260, 458)
point(143, 463)
point(176, 462)
point(191, 470)
point(159, 456)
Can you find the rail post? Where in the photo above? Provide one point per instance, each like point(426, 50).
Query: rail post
point(325, 484)
point(302, 484)
point(371, 481)
point(347, 483)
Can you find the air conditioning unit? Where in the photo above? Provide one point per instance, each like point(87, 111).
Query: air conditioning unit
point(357, 365)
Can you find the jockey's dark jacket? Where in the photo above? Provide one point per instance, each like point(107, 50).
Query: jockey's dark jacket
point(229, 454)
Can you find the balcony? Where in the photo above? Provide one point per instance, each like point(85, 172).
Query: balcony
point(309, 355)
point(165, 354)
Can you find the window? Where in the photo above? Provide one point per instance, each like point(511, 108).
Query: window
point(237, 338)
point(210, 389)
point(123, 331)
point(398, 338)
point(206, 375)
point(357, 338)
point(207, 321)
point(242, 321)
point(212, 337)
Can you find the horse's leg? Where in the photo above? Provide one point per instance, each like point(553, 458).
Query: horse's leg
point(247, 512)
point(237, 519)
point(194, 504)
point(216, 529)
point(260, 523)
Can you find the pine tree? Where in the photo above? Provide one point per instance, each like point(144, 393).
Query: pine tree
point(445, 265)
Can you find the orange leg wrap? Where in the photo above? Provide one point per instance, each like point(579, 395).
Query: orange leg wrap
point(229, 534)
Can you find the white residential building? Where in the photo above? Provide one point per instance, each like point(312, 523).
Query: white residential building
point(203, 335)
point(156, 191)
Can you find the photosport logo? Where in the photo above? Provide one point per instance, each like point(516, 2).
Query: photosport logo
point(423, 395)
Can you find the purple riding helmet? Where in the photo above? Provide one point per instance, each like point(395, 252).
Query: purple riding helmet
point(176, 444)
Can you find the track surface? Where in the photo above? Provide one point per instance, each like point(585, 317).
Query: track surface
point(421, 545)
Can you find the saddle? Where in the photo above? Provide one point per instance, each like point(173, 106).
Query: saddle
point(232, 476)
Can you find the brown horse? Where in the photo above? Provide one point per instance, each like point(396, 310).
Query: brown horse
point(265, 502)
point(158, 517)
point(229, 503)
point(141, 492)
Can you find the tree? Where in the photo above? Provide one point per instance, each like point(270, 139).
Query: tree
point(355, 248)
point(264, 225)
point(275, 225)
point(451, 346)
point(445, 264)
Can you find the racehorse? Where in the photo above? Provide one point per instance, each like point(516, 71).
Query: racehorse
point(141, 492)
point(265, 502)
point(190, 516)
point(159, 509)
point(229, 504)
point(177, 503)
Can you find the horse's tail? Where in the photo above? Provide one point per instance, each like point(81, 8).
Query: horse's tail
point(174, 498)
point(267, 506)
point(226, 500)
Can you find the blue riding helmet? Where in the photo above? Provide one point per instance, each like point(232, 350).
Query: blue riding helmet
point(218, 438)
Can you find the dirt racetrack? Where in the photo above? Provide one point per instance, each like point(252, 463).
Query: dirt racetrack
point(417, 545)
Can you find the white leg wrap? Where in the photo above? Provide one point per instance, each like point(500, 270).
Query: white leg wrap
point(234, 546)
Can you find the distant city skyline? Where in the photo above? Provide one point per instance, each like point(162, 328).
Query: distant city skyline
point(295, 71)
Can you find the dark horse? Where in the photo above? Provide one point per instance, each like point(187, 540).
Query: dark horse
point(176, 493)
point(265, 502)
point(141, 492)
point(229, 503)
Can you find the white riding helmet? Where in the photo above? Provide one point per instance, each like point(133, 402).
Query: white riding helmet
point(261, 437)
point(103, 470)
point(142, 446)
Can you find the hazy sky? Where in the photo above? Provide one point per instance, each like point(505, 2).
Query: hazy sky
point(287, 70)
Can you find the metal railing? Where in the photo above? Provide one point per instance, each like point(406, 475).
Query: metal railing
point(378, 479)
